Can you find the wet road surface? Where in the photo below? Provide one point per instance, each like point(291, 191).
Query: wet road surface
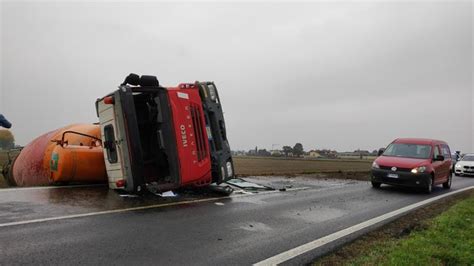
point(191, 229)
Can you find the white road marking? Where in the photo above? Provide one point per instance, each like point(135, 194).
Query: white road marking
point(139, 208)
point(292, 253)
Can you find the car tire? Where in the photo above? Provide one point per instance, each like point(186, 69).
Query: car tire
point(376, 184)
point(429, 187)
point(456, 174)
point(447, 184)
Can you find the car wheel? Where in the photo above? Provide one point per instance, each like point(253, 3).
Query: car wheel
point(429, 187)
point(376, 184)
point(447, 184)
point(456, 174)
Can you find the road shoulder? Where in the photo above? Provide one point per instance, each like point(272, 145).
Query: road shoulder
point(372, 248)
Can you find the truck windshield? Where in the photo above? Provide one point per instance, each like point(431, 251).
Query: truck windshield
point(408, 150)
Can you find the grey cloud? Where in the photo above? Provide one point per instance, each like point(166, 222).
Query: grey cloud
point(333, 75)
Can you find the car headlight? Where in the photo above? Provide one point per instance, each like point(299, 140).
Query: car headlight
point(375, 165)
point(458, 165)
point(417, 170)
point(229, 169)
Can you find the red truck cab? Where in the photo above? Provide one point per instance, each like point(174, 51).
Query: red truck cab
point(163, 138)
point(413, 162)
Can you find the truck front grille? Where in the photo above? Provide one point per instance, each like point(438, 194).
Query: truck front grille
point(201, 147)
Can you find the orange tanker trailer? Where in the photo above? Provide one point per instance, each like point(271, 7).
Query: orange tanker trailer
point(72, 154)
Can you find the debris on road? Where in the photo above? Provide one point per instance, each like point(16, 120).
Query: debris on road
point(168, 194)
point(128, 195)
point(245, 185)
point(221, 189)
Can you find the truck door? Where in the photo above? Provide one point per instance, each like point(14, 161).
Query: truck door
point(118, 127)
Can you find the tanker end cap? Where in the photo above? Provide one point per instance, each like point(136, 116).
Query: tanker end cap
point(149, 81)
point(132, 79)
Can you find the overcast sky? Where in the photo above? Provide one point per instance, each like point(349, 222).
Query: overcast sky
point(340, 75)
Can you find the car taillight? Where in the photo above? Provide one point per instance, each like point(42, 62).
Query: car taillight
point(109, 100)
point(120, 183)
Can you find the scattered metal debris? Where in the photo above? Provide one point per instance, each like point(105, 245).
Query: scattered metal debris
point(221, 189)
point(243, 184)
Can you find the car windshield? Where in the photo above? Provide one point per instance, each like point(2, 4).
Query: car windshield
point(408, 150)
point(468, 158)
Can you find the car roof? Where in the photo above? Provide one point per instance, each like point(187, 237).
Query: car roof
point(418, 141)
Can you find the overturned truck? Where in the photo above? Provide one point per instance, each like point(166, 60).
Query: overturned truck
point(158, 138)
point(148, 138)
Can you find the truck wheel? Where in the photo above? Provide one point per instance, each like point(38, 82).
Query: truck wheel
point(376, 184)
point(447, 184)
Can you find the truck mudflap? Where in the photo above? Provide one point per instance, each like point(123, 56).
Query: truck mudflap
point(221, 157)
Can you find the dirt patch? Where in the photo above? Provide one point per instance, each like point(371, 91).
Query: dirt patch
point(361, 176)
point(400, 228)
point(247, 166)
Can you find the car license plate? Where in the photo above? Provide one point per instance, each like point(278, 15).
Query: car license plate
point(392, 175)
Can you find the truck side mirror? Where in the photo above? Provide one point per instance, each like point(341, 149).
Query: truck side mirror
point(380, 152)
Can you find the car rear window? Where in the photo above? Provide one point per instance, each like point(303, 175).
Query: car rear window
point(408, 150)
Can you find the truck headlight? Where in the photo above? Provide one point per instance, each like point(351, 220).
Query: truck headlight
point(212, 92)
point(375, 165)
point(417, 170)
point(229, 169)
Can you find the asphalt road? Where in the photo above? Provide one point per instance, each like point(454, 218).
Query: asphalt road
point(188, 230)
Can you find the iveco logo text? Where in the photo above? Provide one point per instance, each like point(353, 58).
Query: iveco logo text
point(184, 138)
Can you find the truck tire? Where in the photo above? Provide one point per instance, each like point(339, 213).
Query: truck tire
point(429, 187)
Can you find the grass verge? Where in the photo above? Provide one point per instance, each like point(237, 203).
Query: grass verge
point(424, 237)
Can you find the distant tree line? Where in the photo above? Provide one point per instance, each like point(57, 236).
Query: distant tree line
point(298, 151)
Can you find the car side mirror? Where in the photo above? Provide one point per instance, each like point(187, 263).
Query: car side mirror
point(439, 158)
point(380, 152)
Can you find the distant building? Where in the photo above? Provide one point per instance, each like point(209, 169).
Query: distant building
point(314, 154)
point(276, 153)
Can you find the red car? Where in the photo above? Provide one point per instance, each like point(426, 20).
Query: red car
point(414, 163)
